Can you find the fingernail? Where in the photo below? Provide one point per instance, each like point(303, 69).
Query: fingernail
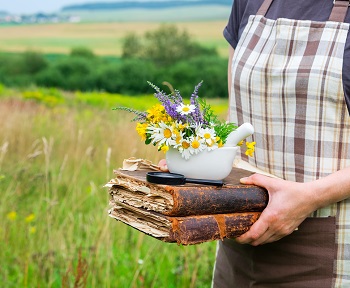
point(243, 180)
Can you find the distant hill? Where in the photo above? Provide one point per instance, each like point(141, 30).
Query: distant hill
point(144, 5)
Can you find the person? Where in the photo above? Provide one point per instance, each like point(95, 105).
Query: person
point(289, 75)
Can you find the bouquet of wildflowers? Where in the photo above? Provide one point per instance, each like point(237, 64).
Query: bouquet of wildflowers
point(188, 128)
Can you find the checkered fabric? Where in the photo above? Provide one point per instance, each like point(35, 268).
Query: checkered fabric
point(287, 82)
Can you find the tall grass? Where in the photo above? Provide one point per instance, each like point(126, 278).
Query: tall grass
point(55, 228)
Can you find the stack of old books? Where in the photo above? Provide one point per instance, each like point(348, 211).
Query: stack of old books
point(186, 214)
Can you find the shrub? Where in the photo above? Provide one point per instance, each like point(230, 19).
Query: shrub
point(50, 77)
point(20, 69)
point(212, 70)
point(33, 62)
point(82, 52)
point(128, 77)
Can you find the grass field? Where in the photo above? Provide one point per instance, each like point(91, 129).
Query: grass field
point(102, 38)
point(174, 14)
point(55, 157)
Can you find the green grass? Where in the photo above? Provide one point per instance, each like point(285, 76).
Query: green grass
point(55, 157)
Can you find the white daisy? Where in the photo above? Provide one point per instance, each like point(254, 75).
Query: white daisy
point(185, 109)
point(162, 134)
point(184, 149)
point(196, 145)
point(209, 137)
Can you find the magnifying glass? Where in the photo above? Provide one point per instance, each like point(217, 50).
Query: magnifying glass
point(178, 179)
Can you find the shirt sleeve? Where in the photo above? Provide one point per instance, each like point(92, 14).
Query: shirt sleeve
point(232, 27)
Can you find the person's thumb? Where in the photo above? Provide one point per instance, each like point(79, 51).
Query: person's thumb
point(256, 179)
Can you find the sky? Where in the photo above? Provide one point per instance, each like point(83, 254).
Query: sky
point(47, 6)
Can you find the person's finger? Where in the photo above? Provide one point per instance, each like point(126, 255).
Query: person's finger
point(163, 166)
point(257, 230)
point(265, 238)
point(257, 179)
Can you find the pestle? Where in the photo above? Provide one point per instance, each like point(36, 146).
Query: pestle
point(239, 134)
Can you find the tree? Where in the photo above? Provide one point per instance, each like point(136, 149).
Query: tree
point(164, 46)
point(132, 46)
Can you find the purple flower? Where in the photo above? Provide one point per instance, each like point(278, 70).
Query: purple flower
point(197, 115)
point(172, 101)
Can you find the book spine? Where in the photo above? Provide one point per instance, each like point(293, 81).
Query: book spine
point(208, 200)
point(199, 229)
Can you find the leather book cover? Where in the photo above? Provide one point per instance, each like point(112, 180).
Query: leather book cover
point(131, 187)
point(188, 230)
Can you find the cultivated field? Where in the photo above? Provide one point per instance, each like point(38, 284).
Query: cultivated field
point(102, 38)
point(56, 153)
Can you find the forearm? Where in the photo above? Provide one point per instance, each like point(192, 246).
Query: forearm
point(331, 189)
point(291, 202)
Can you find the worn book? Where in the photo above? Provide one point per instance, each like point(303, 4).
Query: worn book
point(188, 230)
point(132, 188)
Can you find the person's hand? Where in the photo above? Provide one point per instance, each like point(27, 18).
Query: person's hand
point(289, 204)
point(163, 166)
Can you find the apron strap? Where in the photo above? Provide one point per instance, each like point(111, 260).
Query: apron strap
point(339, 10)
point(338, 13)
point(264, 7)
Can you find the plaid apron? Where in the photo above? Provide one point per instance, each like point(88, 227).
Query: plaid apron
point(287, 82)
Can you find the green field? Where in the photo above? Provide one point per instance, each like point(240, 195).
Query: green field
point(175, 14)
point(57, 150)
point(102, 38)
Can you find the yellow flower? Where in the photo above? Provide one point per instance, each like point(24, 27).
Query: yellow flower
point(141, 129)
point(164, 148)
point(250, 148)
point(12, 215)
point(178, 136)
point(250, 145)
point(249, 152)
point(240, 143)
point(219, 141)
point(30, 218)
point(157, 114)
point(32, 229)
point(182, 126)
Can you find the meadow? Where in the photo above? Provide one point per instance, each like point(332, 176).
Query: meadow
point(101, 38)
point(57, 150)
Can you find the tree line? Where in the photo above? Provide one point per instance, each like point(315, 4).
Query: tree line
point(163, 55)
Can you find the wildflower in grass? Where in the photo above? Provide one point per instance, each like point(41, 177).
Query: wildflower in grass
point(32, 230)
point(250, 148)
point(30, 218)
point(12, 215)
point(140, 261)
